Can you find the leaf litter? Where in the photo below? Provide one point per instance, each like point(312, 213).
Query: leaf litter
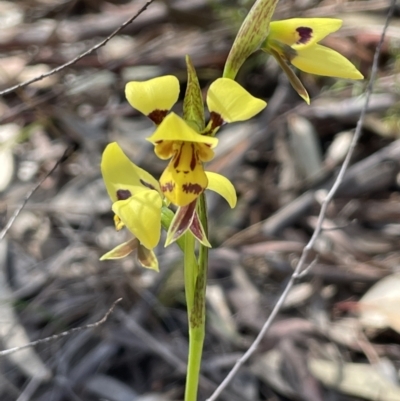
point(337, 336)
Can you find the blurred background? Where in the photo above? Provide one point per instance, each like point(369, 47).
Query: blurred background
point(337, 337)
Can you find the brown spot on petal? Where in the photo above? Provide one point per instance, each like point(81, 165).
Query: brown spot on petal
point(305, 35)
point(192, 188)
point(146, 184)
point(216, 120)
point(177, 157)
point(157, 116)
point(168, 187)
point(123, 194)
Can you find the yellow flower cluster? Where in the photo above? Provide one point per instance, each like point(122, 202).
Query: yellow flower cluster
point(187, 142)
point(137, 197)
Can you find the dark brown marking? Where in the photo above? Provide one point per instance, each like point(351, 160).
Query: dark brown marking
point(146, 184)
point(177, 157)
point(168, 187)
point(216, 120)
point(192, 188)
point(183, 219)
point(123, 194)
point(305, 35)
point(157, 116)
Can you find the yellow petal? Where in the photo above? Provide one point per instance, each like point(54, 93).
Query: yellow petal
point(231, 101)
point(164, 149)
point(174, 128)
point(222, 186)
point(147, 258)
point(120, 174)
point(121, 250)
point(119, 225)
point(321, 60)
point(302, 32)
point(157, 94)
point(141, 214)
point(184, 179)
point(204, 152)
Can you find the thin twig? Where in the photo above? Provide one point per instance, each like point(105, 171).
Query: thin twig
point(68, 152)
point(300, 265)
point(307, 270)
point(63, 334)
point(74, 60)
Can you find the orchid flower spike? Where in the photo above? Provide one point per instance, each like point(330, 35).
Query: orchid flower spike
point(187, 142)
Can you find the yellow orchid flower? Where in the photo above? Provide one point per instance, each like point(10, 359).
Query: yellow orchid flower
point(137, 203)
point(187, 141)
point(184, 178)
point(295, 41)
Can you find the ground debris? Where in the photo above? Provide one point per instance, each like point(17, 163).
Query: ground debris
point(337, 336)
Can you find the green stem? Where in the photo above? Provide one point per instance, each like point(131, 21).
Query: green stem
point(196, 340)
point(195, 286)
point(190, 270)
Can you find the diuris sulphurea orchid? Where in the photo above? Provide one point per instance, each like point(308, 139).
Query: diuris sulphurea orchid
point(138, 204)
point(295, 41)
point(187, 141)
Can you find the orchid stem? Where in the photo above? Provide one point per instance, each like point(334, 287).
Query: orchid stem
point(195, 287)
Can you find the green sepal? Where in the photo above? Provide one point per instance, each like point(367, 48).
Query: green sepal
point(293, 79)
point(197, 229)
point(147, 258)
point(193, 107)
point(251, 34)
point(181, 222)
point(167, 216)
